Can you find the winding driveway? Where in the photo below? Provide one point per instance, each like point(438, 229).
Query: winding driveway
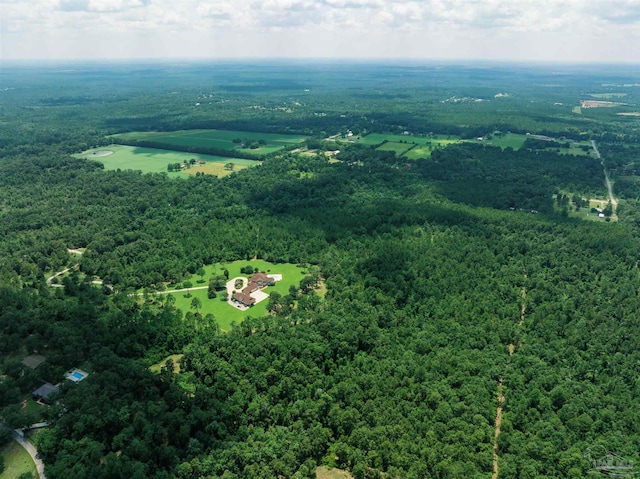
point(33, 452)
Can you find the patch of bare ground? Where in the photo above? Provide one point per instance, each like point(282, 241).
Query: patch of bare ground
point(501, 397)
point(496, 465)
point(323, 472)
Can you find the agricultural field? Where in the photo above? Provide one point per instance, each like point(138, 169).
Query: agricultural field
point(410, 147)
point(151, 160)
point(259, 144)
point(16, 461)
point(225, 314)
point(397, 148)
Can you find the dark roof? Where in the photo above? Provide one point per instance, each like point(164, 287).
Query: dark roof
point(34, 360)
point(46, 390)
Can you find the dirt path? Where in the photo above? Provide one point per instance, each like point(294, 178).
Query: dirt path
point(501, 398)
point(496, 466)
point(614, 202)
point(51, 278)
point(169, 291)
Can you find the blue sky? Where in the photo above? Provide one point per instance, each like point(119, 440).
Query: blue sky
point(524, 30)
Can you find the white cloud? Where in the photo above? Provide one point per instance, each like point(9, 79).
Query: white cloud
point(569, 23)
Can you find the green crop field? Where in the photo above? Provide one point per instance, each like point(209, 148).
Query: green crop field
point(152, 160)
point(222, 139)
point(16, 461)
point(225, 314)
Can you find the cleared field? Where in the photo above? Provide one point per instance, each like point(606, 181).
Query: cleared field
point(377, 138)
point(407, 146)
point(16, 461)
point(397, 148)
point(152, 160)
point(512, 140)
point(225, 314)
point(418, 152)
point(222, 139)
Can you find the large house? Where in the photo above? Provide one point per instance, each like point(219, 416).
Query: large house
point(262, 280)
point(244, 298)
point(258, 281)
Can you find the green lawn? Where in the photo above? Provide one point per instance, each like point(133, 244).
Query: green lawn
point(513, 140)
point(152, 160)
point(221, 310)
point(222, 139)
point(16, 461)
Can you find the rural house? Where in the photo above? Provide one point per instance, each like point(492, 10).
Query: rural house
point(244, 299)
point(44, 391)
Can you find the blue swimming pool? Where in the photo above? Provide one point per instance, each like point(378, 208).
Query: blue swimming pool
point(77, 376)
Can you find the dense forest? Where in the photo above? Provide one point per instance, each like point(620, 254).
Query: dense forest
point(451, 286)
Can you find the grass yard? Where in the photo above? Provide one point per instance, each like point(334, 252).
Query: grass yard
point(16, 461)
point(225, 314)
point(222, 139)
point(152, 160)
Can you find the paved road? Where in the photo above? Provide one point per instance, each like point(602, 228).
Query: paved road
point(614, 203)
point(32, 452)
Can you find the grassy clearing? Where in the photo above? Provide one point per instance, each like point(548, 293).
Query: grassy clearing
point(223, 139)
point(418, 153)
point(152, 160)
point(323, 472)
point(577, 109)
point(155, 368)
point(513, 140)
point(16, 461)
point(225, 314)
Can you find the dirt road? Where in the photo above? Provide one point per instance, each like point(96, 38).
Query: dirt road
point(614, 203)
